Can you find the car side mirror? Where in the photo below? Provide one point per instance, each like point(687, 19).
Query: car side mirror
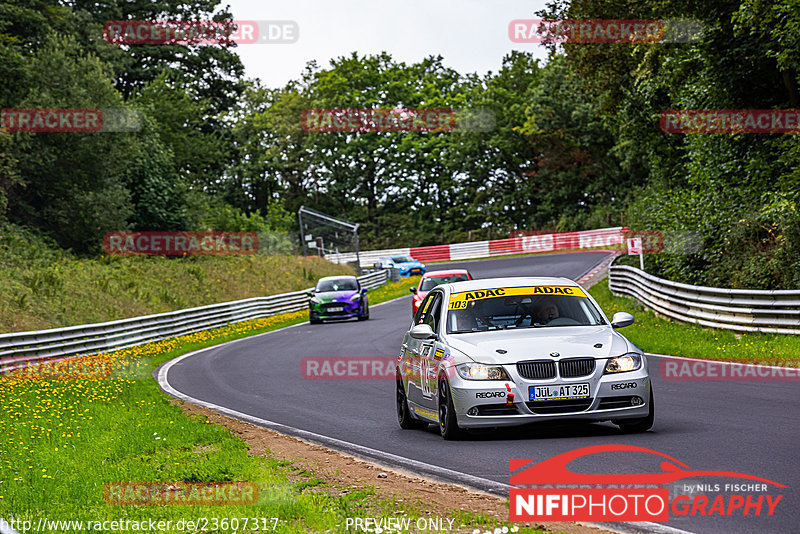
point(413, 289)
point(422, 331)
point(621, 320)
point(363, 289)
point(310, 292)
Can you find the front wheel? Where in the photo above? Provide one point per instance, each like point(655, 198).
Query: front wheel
point(635, 426)
point(448, 425)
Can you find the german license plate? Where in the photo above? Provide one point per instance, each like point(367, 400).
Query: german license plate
point(336, 308)
point(562, 391)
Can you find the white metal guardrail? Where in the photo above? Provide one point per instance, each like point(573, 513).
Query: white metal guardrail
point(744, 310)
point(5, 528)
point(21, 348)
point(521, 244)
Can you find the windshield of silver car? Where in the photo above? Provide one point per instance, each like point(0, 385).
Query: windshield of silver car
point(520, 307)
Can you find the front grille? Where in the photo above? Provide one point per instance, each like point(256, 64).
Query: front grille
point(497, 409)
point(576, 367)
point(326, 308)
point(610, 403)
point(559, 406)
point(537, 370)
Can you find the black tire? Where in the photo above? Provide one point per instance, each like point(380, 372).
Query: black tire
point(404, 417)
point(314, 320)
point(448, 425)
point(365, 313)
point(636, 426)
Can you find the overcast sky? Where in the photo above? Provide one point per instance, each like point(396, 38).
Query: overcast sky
point(471, 35)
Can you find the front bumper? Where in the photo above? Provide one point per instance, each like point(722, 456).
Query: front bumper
point(322, 311)
point(414, 271)
point(487, 403)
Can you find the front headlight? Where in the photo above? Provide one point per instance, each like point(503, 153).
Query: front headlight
point(313, 300)
point(621, 364)
point(357, 296)
point(478, 371)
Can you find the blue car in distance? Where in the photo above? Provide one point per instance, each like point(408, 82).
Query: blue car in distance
point(407, 265)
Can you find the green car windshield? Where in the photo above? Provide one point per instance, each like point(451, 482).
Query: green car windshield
point(339, 284)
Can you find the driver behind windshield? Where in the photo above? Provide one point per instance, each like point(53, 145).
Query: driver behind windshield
point(548, 310)
point(465, 319)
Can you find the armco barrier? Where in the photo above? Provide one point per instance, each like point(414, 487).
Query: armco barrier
point(744, 310)
point(20, 348)
point(527, 244)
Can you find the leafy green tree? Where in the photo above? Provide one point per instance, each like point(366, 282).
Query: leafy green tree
point(712, 184)
point(179, 117)
point(500, 161)
point(214, 71)
point(73, 182)
point(576, 174)
point(9, 172)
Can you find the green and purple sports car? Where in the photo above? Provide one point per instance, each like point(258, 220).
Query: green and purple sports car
point(338, 297)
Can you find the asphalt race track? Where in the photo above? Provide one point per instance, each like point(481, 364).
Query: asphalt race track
point(742, 426)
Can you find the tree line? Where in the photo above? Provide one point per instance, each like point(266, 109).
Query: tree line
point(575, 141)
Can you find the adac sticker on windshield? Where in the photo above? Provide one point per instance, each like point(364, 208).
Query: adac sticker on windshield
point(458, 301)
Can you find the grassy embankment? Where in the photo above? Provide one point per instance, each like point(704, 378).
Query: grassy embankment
point(43, 287)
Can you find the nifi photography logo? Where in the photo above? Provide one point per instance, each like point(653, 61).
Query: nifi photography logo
point(549, 491)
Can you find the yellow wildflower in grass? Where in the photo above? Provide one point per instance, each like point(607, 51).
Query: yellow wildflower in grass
point(34, 409)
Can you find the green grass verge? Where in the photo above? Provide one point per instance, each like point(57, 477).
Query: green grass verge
point(61, 441)
point(393, 290)
point(662, 335)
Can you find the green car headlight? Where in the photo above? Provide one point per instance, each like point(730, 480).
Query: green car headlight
point(479, 371)
point(622, 364)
